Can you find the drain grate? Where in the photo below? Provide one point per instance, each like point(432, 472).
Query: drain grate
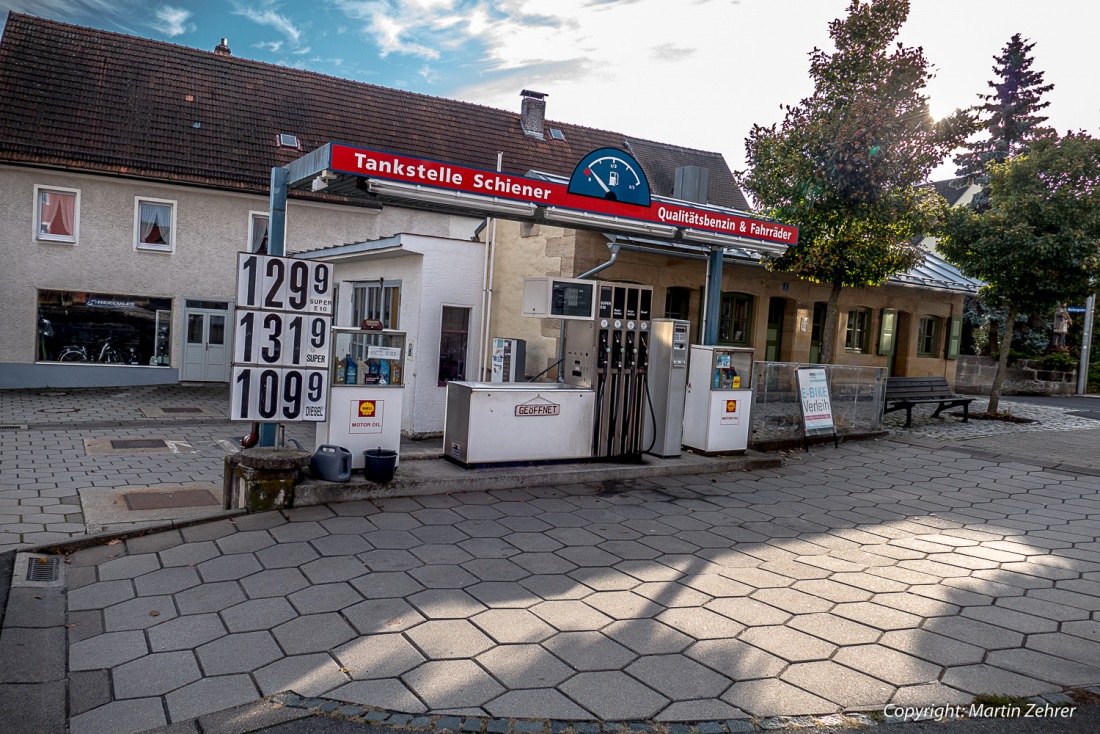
point(181, 410)
point(42, 569)
point(11, 427)
point(138, 443)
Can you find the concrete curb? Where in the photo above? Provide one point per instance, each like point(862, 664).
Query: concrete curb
point(443, 477)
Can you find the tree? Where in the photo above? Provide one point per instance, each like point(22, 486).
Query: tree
point(1009, 115)
point(1036, 243)
point(845, 163)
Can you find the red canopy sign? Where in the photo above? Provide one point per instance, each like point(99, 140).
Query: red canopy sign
point(449, 176)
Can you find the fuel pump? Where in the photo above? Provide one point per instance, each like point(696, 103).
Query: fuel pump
point(611, 356)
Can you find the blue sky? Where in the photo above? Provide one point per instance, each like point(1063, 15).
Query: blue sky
point(697, 73)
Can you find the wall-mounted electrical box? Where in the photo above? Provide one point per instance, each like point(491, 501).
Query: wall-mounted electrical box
point(559, 298)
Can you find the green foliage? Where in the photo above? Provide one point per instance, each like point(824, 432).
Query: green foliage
point(1094, 377)
point(846, 161)
point(1036, 245)
point(1058, 362)
point(1009, 114)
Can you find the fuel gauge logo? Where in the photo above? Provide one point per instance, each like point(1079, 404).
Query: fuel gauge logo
point(611, 174)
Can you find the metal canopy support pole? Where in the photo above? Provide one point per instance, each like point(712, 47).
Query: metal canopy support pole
point(276, 237)
point(714, 296)
point(1086, 345)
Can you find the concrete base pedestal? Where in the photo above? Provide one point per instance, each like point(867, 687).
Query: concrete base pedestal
point(263, 479)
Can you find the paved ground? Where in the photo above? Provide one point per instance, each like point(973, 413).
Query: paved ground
point(885, 571)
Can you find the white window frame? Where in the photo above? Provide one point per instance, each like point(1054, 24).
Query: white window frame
point(143, 246)
point(252, 227)
point(37, 219)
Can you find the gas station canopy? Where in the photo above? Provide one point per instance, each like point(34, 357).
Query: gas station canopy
point(608, 192)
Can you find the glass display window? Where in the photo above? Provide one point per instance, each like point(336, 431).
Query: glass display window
point(104, 328)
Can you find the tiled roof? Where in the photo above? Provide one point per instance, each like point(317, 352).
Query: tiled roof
point(951, 189)
point(89, 99)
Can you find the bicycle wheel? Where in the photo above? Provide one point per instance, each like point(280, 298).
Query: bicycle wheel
point(112, 356)
point(72, 356)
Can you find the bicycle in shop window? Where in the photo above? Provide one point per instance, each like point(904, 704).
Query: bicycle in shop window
point(106, 350)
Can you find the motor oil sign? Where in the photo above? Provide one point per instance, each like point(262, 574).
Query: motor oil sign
point(731, 416)
point(366, 416)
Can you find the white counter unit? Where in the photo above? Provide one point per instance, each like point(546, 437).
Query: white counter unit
point(527, 421)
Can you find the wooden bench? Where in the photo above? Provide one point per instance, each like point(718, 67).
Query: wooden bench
point(902, 393)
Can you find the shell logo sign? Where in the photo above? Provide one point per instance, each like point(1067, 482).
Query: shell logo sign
point(731, 406)
point(732, 415)
point(366, 416)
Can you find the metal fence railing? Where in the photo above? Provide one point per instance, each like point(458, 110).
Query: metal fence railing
point(856, 393)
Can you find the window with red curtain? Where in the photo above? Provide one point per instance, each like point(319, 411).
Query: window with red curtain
point(57, 215)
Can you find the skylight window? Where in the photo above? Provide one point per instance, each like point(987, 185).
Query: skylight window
point(286, 140)
point(557, 134)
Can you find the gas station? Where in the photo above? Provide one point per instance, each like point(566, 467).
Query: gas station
point(628, 383)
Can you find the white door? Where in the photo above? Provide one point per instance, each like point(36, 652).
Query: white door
point(205, 342)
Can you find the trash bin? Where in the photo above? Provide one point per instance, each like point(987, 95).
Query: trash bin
point(380, 464)
point(331, 463)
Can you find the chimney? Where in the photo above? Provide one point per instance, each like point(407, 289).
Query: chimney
point(691, 184)
point(222, 49)
point(532, 113)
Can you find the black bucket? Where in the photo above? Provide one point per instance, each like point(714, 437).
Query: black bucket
point(380, 464)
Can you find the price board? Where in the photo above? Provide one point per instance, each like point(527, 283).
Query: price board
point(283, 327)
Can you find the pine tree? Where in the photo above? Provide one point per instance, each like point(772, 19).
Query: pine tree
point(1009, 115)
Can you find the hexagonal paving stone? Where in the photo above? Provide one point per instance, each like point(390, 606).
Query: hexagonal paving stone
point(186, 633)
point(671, 594)
point(748, 611)
point(332, 569)
point(972, 631)
point(512, 626)
point(107, 650)
point(306, 675)
point(1011, 619)
point(276, 582)
point(127, 567)
point(716, 585)
point(138, 613)
point(209, 695)
point(443, 639)
point(298, 532)
point(378, 656)
point(835, 629)
point(623, 605)
point(445, 604)
point(392, 539)
point(649, 570)
point(386, 694)
point(977, 679)
point(166, 581)
point(838, 684)
point(789, 644)
point(189, 554)
point(376, 616)
point(934, 648)
point(877, 616)
point(647, 636)
point(792, 600)
point(313, 633)
point(436, 552)
point(212, 597)
point(247, 541)
point(444, 577)
point(524, 666)
point(386, 584)
point(141, 714)
point(389, 560)
point(238, 653)
point(347, 526)
point(613, 695)
point(452, 684)
point(571, 615)
point(324, 598)
point(700, 624)
point(1045, 667)
point(735, 659)
point(888, 665)
point(100, 595)
point(258, 614)
point(287, 555)
point(831, 590)
point(340, 545)
point(538, 702)
point(495, 569)
point(678, 677)
point(155, 675)
point(229, 568)
point(589, 651)
point(555, 588)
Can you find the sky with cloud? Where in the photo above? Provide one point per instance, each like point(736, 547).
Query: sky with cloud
point(697, 73)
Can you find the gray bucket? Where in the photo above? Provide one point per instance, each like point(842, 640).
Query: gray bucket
point(379, 464)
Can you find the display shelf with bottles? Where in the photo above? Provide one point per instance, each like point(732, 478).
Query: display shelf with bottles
point(368, 357)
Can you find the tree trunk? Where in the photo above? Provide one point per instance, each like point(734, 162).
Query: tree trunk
point(1002, 363)
point(828, 332)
